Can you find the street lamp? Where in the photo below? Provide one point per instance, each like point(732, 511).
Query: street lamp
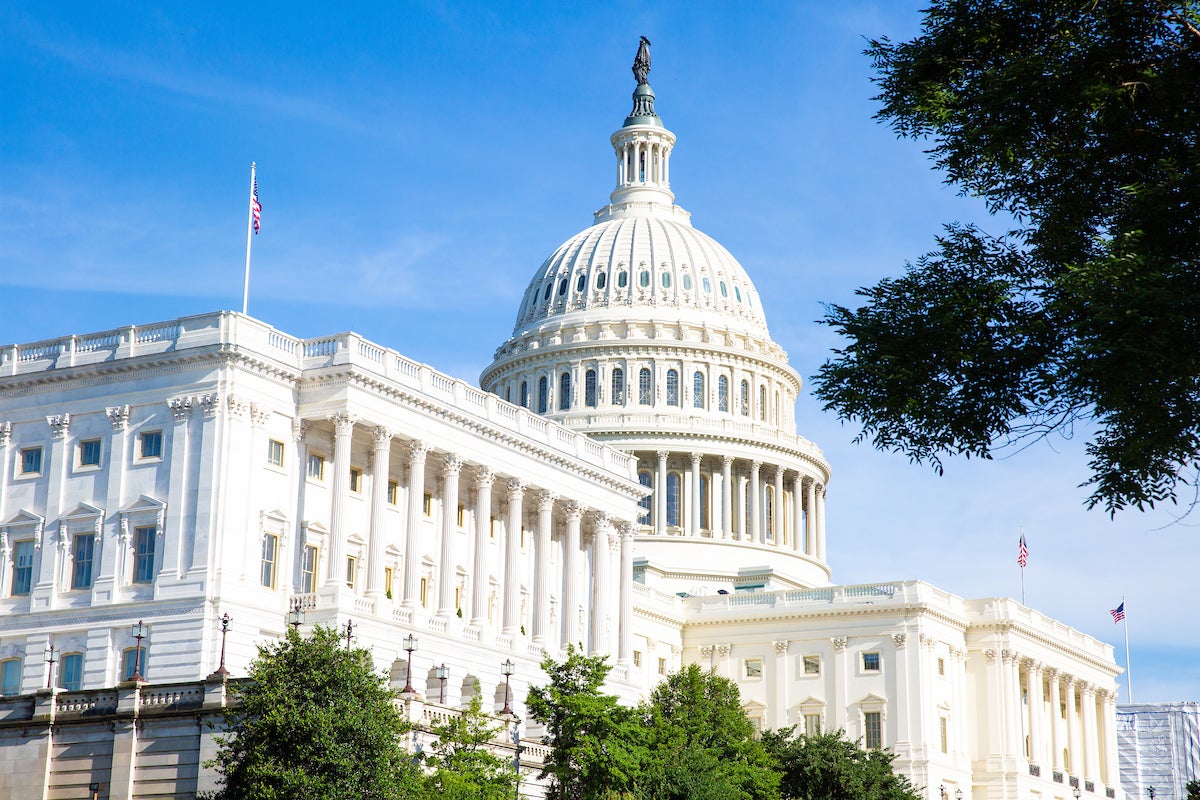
point(138, 634)
point(225, 620)
point(295, 617)
point(516, 737)
point(94, 788)
point(50, 659)
point(942, 791)
point(1150, 791)
point(441, 673)
point(507, 669)
point(958, 794)
point(409, 644)
point(349, 632)
point(1076, 793)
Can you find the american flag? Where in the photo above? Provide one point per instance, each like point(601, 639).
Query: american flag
point(1118, 613)
point(1022, 552)
point(256, 207)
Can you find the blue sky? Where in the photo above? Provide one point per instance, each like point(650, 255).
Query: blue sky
point(418, 161)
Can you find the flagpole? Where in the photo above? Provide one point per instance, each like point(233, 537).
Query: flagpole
point(249, 235)
point(1128, 671)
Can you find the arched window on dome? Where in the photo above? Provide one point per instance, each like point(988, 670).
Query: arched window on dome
point(762, 403)
point(645, 394)
point(737, 292)
point(770, 504)
point(778, 410)
point(601, 280)
point(722, 393)
point(524, 394)
point(564, 392)
point(644, 278)
point(549, 289)
point(589, 388)
point(673, 486)
point(666, 280)
point(672, 387)
point(562, 287)
point(647, 502)
point(745, 398)
point(618, 386)
point(698, 389)
point(543, 395)
point(687, 282)
point(706, 284)
point(724, 290)
point(622, 279)
point(581, 282)
point(705, 500)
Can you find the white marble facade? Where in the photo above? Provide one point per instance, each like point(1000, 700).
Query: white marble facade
point(630, 480)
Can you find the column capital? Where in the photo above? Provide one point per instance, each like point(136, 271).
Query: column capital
point(839, 643)
point(601, 519)
point(625, 529)
point(484, 478)
point(210, 406)
point(1050, 672)
point(417, 450)
point(900, 640)
point(706, 650)
point(755, 466)
point(726, 461)
point(574, 511)
point(724, 650)
point(300, 429)
point(181, 408)
point(781, 646)
point(516, 489)
point(545, 499)
point(259, 415)
point(662, 455)
point(343, 423)
point(237, 406)
point(60, 425)
point(5, 433)
point(695, 459)
point(452, 464)
point(382, 437)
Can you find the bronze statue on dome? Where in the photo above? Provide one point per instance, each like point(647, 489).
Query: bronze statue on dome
point(641, 62)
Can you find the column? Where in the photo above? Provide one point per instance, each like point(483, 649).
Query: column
point(108, 582)
point(1091, 749)
point(742, 517)
point(1037, 714)
point(1055, 734)
point(694, 526)
point(417, 451)
point(381, 455)
point(726, 497)
point(660, 494)
point(798, 538)
point(172, 539)
point(1111, 775)
point(542, 593)
point(1016, 722)
point(484, 478)
point(821, 523)
point(451, 467)
point(512, 556)
point(570, 604)
point(756, 526)
point(778, 507)
point(600, 585)
point(1073, 758)
point(343, 434)
point(781, 680)
point(810, 517)
point(625, 597)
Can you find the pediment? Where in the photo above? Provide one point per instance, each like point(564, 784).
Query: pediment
point(23, 518)
point(810, 702)
point(83, 511)
point(872, 699)
point(144, 503)
point(278, 515)
point(753, 705)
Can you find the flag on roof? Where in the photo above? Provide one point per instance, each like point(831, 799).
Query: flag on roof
point(256, 207)
point(1022, 552)
point(1118, 613)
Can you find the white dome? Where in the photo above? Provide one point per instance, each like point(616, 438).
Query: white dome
point(634, 261)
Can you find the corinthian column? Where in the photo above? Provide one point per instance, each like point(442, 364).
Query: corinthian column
point(512, 555)
point(600, 584)
point(821, 523)
point(484, 478)
point(1091, 749)
point(571, 551)
point(416, 512)
point(756, 526)
point(726, 497)
point(625, 597)
point(660, 494)
point(777, 508)
point(542, 592)
point(694, 522)
point(381, 458)
point(1037, 714)
point(451, 467)
point(1056, 733)
point(1074, 760)
point(798, 514)
point(810, 517)
point(343, 434)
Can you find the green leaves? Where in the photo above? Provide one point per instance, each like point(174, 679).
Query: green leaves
point(1078, 121)
point(829, 767)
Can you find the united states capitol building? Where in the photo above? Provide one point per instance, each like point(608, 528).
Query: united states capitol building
point(627, 477)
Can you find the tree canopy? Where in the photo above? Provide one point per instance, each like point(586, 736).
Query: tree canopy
point(314, 720)
point(828, 766)
point(1077, 124)
point(461, 767)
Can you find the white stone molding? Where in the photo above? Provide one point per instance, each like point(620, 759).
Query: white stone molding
point(60, 425)
point(259, 415)
point(210, 404)
point(237, 406)
point(781, 646)
point(452, 465)
point(484, 478)
point(723, 650)
point(5, 433)
point(706, 651)
point(381, 436)
point(342, 422)
point(417, 451)
point(181, 408)
point(300, 429)
point(900, 640)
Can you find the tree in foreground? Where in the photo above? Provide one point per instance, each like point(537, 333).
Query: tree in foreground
point(461, 765)
point(314, 720)
point(594, 750)
point(1076, 122)
point(828, 766)
point(700, 744)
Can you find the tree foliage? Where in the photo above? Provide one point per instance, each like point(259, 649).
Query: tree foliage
point(314, 720)
point(1193, 790)
point(461, 765)
point(1078, 122)
point(828, 766)
point(699, 743)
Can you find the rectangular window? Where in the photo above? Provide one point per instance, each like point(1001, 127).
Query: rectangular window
point(356, 480)
point(150, 444)
point(944, 726)
point(872, 730)
point(22, 567)
point(458, 597)
point(316, 467)
point(275, 453)
point(941, 666)
point(754, 667)
point(424, 592)
point(427, 505)
point(662, 666)
point(81, 560)
point(462, 512)
point(89, 453)
point(70, 672)
point(870, 662)
point(388, 576)
point(637, 658)
point(270, 556)
point(393, 492)
point(812, 665)
point(143, 554)
point(308, 569)
point(134, 660)
point(31, 460)
point(351, 571)
point(10, 676)
point(812, 724)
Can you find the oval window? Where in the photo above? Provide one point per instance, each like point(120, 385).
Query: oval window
point(601, 280)
point(687, 282)
point(644, 278)
point(562, 287)
point(622, 279)
point(549, 288)
point(666, 280)
point(581, 283)
point(704, 282)
point(724, 291)
point(737, 293)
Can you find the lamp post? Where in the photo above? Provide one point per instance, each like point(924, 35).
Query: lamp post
point(349, 632)
point(1076, 793)
point(224, 620)
point(295, 617)
point(515, 733)
point(942, 791)
point(94, 788)
point(958, 794)
point(409, 644)
point(441, 673)
point(137, 653)
point(50, 659)
point(507, 669)
point(1150, 791)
